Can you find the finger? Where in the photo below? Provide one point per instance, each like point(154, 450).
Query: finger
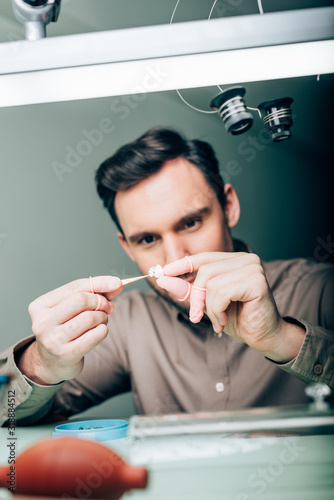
point(222, 317)
point(241, 285)
point(181, 266)
point(218, 310)
point(200, 259)
point(194, 262)
point(105, 284)
point(197, 304)
point(112, 295)
point(214, 278)
point(234, 262)
point(82, 345)
point(110, 285)
point(177, 286)
point(81, 324)
point(199, 299)
point(76, 304)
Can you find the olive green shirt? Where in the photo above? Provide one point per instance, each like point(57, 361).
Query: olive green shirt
point(172, 365)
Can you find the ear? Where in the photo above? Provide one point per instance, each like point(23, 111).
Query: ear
point(125, 245)
point(232, 206)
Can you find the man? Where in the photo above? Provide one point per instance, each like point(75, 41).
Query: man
point(267, 327)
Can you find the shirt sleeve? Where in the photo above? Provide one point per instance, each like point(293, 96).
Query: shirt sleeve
point(32, 401)
point(315, 360)
point(105, 374)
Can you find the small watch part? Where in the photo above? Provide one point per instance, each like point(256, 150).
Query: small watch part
point(89, 428)
point(155, 271)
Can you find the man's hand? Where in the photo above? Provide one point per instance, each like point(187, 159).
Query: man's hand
point(67, 325)
point(239, 302)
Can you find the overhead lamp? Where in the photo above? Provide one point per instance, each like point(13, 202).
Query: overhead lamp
point(289, 44)
point(275, 114)
point(35, 15)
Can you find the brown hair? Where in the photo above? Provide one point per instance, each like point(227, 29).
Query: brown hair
point(145, 156)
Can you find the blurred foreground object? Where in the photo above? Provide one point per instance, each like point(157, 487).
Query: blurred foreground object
point(71, 467)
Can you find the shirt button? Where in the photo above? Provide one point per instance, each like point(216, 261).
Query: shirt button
point(219, 386)
point(317, 369)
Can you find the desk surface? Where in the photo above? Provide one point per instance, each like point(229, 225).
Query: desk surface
point(217, 467)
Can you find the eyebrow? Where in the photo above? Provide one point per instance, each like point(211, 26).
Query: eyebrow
point(202, 212)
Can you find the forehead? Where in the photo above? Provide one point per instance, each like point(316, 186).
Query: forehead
point(177, 189)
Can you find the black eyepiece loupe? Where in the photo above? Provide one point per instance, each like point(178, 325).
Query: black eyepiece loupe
point(231, 107)
point(277, 117)
point(36, 3)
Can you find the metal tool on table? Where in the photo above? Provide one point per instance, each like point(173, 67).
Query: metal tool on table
point(315, 418)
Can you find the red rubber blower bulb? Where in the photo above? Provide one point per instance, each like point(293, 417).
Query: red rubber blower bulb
point(72, 467)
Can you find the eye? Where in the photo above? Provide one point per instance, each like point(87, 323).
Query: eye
point(192, 224)
point(147, 240)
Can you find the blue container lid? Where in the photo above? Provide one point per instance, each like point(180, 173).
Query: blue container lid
point(4, 378)
point(95, 430)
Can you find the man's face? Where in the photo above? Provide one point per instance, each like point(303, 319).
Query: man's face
point(171, 214)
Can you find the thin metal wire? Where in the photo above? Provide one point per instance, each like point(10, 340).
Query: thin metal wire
point(193, 107)
point(255, 109)
point(259, 3)
point(178, 92)
point(213, 6)
point(171, 19)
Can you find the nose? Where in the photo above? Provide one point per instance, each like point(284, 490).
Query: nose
point(174, 248)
